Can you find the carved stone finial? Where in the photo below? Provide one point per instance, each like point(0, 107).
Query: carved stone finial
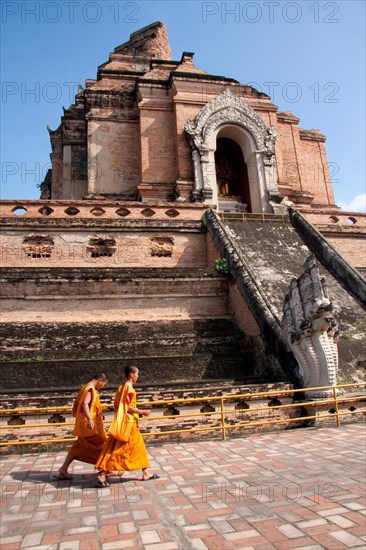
point(311, 331)
point(190, 127)
point(46, 185)
point(227, 92)
point(270, 138)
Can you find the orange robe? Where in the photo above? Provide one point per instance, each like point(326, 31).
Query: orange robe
point(129, 456)
point(89, 440)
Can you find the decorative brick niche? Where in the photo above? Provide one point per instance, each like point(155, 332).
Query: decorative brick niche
point(162, 247)
point(99, 247)
point(38, 246)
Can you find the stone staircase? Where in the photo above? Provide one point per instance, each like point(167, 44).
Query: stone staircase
point(267, 256)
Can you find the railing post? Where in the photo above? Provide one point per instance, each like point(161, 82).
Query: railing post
point(336, 406)
point(223, 429)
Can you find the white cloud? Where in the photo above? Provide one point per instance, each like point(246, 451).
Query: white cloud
point(357, 204)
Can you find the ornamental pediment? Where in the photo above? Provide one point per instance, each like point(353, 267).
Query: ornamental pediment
point(227, 108)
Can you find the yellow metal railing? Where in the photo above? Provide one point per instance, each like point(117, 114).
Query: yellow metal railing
point(334, 401)
point(253, 216)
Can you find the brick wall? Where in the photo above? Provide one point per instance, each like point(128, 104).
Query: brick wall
point(114, 156)
point(346, 231)
point(158, 143)
point(70, 248)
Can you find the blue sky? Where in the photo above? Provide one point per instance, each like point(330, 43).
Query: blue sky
point(309, 56)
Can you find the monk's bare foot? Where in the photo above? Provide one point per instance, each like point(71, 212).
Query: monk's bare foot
point(100, 480)
point(147, 476)
point(62, 475)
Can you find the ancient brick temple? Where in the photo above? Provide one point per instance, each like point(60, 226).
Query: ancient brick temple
point(158, 170)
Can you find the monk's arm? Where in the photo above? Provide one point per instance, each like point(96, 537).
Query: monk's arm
point(86, 410)
point(135, 410)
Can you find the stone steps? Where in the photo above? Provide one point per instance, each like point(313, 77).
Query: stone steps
point(177, 368)
point(67, 354)
point(100, 273)
point(62, 340)
point(58, 296)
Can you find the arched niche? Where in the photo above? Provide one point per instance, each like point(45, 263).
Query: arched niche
point(231, 173)
point(228, 116)
point(252, 165)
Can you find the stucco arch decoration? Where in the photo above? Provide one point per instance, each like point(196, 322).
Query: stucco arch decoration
point(230, 110)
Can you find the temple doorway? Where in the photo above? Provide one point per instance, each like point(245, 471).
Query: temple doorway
point(231, 176)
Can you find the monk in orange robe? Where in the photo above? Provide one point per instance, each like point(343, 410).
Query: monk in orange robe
point(125, 450)
point(89, 427)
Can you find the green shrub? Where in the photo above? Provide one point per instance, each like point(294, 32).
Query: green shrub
point(221, 265)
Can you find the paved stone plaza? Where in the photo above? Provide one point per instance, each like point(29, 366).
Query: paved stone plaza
point(300, 489)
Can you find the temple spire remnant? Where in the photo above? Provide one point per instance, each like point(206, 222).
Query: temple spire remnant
point(150, 41)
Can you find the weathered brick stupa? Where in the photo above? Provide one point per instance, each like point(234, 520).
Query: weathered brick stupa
point(158, 170)
point(131, 134)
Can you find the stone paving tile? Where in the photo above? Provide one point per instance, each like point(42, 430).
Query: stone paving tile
point(297, 489)
point(347, 539)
